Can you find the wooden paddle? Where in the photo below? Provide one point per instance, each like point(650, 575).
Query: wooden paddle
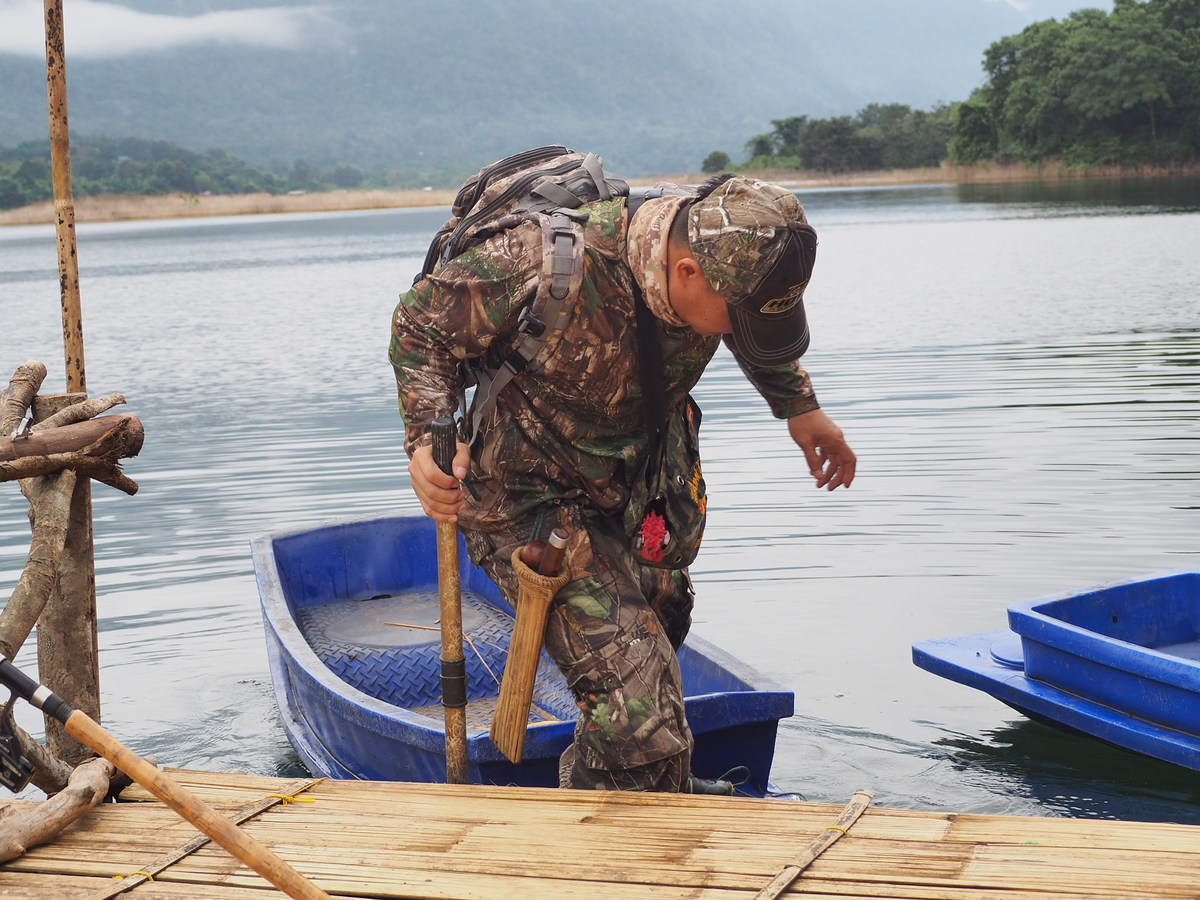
point(85, 730)
point(454, 666)
point(537, 587)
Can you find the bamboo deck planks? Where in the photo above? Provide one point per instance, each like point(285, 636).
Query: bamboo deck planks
point(386, 840)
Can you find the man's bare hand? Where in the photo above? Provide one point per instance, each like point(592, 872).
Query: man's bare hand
point(440, 494)
point(830, 459)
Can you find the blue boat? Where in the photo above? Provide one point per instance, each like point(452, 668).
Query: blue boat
point(350, 611)
point(1118, 661)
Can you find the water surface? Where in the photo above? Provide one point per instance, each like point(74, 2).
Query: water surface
point(1018, 367)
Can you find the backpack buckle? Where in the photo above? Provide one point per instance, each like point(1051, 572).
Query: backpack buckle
point(528, 323)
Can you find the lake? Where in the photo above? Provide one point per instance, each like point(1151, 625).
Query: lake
point(1017, 366)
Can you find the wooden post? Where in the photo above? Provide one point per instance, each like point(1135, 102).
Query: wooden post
point(64, 203)
point(67, 644)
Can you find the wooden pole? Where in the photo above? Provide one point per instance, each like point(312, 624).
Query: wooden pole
point(68, 654)
point(454, 666)
point(64, 204)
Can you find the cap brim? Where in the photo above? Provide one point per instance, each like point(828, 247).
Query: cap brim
point(770, 340)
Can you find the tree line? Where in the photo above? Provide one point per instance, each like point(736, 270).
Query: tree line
point(879, 136)
point(1097, 88)
point(101, 165)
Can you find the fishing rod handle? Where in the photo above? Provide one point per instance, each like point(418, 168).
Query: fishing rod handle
point(445, 443)
point(37, 694)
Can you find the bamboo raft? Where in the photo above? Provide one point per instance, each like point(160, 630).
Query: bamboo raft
point(391, 840)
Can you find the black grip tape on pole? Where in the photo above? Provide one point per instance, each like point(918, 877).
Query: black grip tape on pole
point(454, 683)
point(444, 443)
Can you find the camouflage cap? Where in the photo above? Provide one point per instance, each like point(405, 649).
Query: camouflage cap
point(757, 250)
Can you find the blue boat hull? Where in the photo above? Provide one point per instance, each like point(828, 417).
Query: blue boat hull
point(1117, 662)
point(350, 618)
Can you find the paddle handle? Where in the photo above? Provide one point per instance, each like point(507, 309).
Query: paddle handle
point(454, 667)
point(239, 844)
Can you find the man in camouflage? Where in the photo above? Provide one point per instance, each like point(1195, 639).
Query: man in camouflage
point(565, 438)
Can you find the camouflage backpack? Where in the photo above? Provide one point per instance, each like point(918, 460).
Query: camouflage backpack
point(547, 185)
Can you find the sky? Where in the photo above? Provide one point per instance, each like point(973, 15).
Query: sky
point(102, 30)
point(98, 30)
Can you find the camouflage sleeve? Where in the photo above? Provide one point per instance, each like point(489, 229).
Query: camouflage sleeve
point(454, 315)
point(787, 388)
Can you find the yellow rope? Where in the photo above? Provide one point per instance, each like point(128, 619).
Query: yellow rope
point(836, 828)
point(131, 874)
point(292, 798)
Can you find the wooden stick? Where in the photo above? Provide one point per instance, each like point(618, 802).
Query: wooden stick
point(536, 591)
point(454, 665)
point(824, 841)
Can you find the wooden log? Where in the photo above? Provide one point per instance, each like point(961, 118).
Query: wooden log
point(121, 437)
point(18, 397)
point(87, 786)
point(108, 437)
point(67, 639)
point(51, 519)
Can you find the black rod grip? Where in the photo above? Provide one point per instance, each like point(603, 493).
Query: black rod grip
point(39, 695)
point(444, 443)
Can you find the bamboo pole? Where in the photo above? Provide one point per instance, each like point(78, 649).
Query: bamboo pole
point(68, 651)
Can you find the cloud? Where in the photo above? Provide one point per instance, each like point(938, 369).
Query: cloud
point(97, 30)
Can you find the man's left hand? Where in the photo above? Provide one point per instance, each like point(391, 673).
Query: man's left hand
point(830, 459)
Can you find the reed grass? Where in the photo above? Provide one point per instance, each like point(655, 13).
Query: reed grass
point(112, 208)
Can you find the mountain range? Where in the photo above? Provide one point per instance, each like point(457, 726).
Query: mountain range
point(432, 89)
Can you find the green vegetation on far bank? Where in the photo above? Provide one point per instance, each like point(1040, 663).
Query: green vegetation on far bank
point(102, 166)
point(1096, 89)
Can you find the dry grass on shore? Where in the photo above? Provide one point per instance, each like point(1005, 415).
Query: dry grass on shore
point(121, 208)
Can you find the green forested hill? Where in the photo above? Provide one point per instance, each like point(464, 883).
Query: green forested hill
point(434, 88)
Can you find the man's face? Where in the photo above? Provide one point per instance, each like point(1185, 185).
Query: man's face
point(691, 296)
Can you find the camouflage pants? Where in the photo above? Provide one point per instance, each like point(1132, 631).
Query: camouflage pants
point(613, 631)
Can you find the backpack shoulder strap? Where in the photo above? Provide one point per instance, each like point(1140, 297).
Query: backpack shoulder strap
point(547, 315)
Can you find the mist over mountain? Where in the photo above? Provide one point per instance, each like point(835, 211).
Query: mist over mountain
point(434, 88)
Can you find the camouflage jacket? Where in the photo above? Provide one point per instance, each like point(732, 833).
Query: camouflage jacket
point(571, 426)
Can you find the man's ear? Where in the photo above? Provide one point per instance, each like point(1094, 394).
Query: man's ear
point(687, 268)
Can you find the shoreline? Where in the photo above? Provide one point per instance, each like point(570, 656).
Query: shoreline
point(117, 208)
